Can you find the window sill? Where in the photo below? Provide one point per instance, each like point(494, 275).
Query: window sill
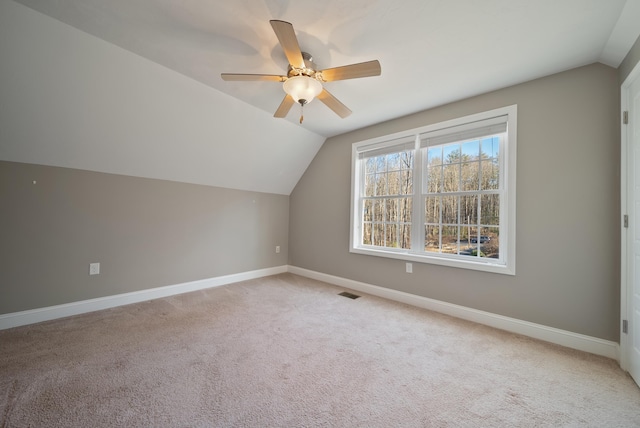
point(442, 261)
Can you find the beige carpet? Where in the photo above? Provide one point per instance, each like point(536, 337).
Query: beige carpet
point(286, 351)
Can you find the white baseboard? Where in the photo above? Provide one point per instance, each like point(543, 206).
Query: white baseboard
point(549, 334)
point(569, 339)
point(32, 316)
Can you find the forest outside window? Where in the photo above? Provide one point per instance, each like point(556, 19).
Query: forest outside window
point(443, 194)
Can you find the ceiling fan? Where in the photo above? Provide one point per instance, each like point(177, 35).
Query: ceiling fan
point(303, 81)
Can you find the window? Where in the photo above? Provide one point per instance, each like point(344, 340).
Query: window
point(443, 194)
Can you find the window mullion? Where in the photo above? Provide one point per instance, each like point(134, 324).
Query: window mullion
point(362, 198)
point(418, 213)
point(503, 221)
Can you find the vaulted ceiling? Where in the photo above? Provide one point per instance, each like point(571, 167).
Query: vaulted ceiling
point(177, 119)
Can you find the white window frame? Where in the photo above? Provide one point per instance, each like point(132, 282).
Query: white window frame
point(507, 262)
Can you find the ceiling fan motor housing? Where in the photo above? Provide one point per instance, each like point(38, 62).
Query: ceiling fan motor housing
point(309, 69)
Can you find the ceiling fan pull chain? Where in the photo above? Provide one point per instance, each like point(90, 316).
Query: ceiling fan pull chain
point(301, 113)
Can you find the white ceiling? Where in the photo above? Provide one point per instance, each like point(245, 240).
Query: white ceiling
point(432, 52)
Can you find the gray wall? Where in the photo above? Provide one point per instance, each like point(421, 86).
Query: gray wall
point(568, 246)
point(145, 233)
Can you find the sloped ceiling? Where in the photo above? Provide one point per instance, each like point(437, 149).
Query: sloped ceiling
point(138, 90)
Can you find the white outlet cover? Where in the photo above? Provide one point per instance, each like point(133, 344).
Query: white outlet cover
point(94, 268)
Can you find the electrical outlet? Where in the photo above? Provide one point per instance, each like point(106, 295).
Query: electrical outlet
point(94, 268)
point(409, 268)
point(277, 249)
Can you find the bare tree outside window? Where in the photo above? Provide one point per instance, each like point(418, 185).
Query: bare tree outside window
point(388, 192)
point(462, 200)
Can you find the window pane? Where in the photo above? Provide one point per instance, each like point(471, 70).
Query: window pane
point(378, 210)
point(490, 206)
point(470, 176)
point(366, 234)
point(405, 236)
point(471, 150)
point(432, 209)
point(406, 159)
point(471, 236)
point(381, 184)
point(451, 178)
point(490, 242)
point(432, 239)
point(434, 179)
point(406, 185)
point(471, 251)
point(381, 163)
point(434, 156)
point(393, 162)
point(393, 183)
point(392, 236)
point(490, 147)
point(451, 153)
point(378, 234)
point(405, 206)
point(450, 239)
point(490, 175)
point(469, 209)
point(370, 165)
point(449, 210)
point(367, 210)
point(392, 210)
point(370, 185)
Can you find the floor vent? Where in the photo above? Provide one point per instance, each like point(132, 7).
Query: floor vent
point(349, 295)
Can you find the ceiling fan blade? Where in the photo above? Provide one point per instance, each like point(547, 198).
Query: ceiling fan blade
point(289, 42)
point(363, 69)
point(333, 103)
point(252, 77)
point(285, 106)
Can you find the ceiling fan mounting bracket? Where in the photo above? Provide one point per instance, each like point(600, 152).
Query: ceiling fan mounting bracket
point(309, 70)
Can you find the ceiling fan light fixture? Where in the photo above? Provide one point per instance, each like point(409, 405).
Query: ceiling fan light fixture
point(303, 89)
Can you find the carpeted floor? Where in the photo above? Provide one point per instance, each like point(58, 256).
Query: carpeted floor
point(286, 351)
